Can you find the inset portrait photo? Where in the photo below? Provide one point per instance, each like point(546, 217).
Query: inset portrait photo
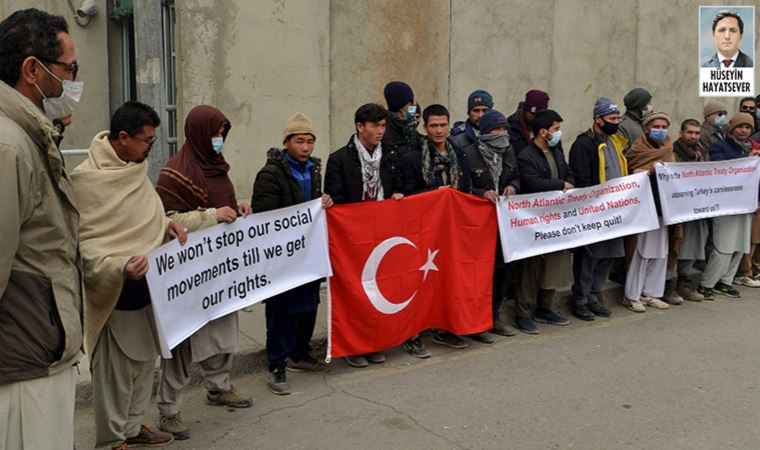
point(727, 36)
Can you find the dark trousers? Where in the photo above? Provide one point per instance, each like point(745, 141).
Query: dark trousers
point(589, 275)
point(500, 282)
point(530, 296)
point(288, 334)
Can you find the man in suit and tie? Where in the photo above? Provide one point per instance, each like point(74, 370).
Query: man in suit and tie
point(727, 32)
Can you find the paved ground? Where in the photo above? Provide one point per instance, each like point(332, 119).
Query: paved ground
point(680, 379)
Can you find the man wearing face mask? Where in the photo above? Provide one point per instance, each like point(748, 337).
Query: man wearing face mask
point(520, 133)
point(731, 234)
point(196, 190)
point(596, 157)
point(638, 103)
point(714, 126)
point(40, 278)
point(543, 168)
point(645, 280)
point(401, 133)
point(464, 134)
point(493, 172)
point(749, 105)
point(120, 334)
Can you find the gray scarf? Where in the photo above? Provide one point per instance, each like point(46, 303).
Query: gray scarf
point(433, 161)
point(370, 164)
point(492, 148)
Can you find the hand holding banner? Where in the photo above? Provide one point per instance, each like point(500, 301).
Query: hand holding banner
point(692, 191)
point(535, 224)
point(230, 266)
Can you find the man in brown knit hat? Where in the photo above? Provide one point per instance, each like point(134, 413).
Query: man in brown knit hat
point(714, 126)
point(731, 234)
point(291, 176)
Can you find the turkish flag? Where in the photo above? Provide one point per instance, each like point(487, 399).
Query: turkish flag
point(401, 267)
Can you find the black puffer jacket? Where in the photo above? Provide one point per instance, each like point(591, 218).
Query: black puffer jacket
point(276, 187)
point(535, 174)
point(343, 176)
point(517, 139)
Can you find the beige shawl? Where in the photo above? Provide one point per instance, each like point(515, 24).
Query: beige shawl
point(121, 216)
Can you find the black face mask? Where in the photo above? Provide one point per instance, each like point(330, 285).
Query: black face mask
point(609, 128)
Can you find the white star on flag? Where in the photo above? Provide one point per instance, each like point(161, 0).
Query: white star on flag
point(429, 265)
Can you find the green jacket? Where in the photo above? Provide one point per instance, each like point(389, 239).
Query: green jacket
point(40, 268)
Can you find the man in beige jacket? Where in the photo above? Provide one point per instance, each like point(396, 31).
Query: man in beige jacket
point(40, 281)
point(121, 220)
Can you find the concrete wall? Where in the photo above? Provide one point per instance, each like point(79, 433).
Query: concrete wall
point(258, 62)
point(92, 113)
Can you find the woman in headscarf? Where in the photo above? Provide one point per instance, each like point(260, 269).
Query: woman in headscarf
point(196, 191)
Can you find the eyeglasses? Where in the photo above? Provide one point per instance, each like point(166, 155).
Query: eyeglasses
point(150, 140)
point(73, 67)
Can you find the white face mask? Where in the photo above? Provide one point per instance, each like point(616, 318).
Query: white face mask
point(58, 107)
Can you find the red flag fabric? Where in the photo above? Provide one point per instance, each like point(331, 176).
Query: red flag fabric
point(401, 267)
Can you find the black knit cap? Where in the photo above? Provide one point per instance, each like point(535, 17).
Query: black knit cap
point(397, 94)
point(637, 99)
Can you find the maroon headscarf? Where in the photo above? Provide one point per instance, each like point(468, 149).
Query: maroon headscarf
point(196, 177)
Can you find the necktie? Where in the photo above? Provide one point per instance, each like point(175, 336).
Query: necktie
point(726, 62)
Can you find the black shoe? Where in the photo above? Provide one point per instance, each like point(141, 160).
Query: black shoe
point(599, 310)
point(483, 338)
point(582, 312)
point(416, 348)
point(726, 290)
point(502, 329)
point(448, 339)
point(526, 325)
point(707, 293)
point(550, 317)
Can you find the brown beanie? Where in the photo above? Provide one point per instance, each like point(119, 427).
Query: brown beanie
point(712, 107)
point(298, 123)
point(741, 118)
point(655, 115)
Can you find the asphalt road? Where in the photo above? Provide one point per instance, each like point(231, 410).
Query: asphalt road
point(686, 378)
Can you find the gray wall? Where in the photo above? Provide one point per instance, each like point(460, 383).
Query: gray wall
point(260, 61)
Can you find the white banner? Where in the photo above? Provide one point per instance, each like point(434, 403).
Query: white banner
point(691, 191)
point(230, 266)
point(534, 224)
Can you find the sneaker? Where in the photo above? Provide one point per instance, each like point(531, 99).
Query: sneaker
point(687, 292)
point(448, 339)
point(416, 348)
point(375, 357)
point(746, 282)
point(655, 303)
point(728, 291)
point(356, 361)
point(175, 426)
point(148, 437)
point(550, 317)
point(501, 329)
point(526, 325)
point(231, 398)
point(706, 293)
point(277, 382)
point(634, 305)
point(671, 294)
point(582, 312)
point(599, 310)
point(307, 364)
point(483, 338)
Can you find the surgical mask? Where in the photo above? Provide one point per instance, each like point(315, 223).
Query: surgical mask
point(58, 107)
point(721, 121)
point(554, 140)
point(658, 135)
point(609, 128)
point(218, 144)
point(410, 112)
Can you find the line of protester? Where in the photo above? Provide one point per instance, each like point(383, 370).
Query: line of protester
point(72, 274)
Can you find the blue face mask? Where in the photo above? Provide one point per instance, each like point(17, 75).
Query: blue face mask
point(411, 111)
point(658, 135)
point(554, 140)
point(721, 121)
point(218, 144)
